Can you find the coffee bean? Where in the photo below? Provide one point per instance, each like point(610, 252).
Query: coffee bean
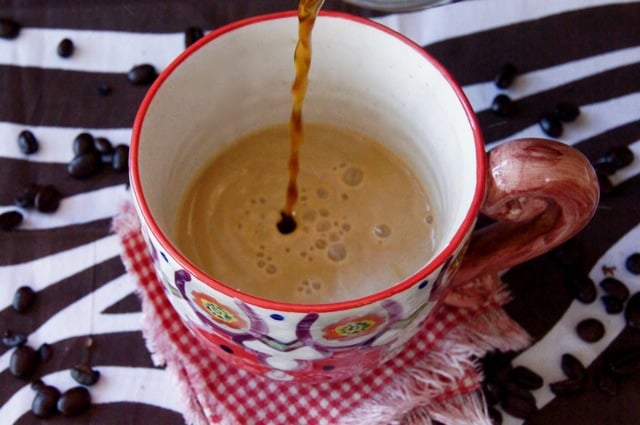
point(581, 286)
point(625, 362)
point(612, 304)
point(550, 125)
point(492, 392)
point(632, 263)
point(567, 111)
point(84, 165)
point(632, 312)
point(83, 143)
point(572, 367)
point(104, 89)
point(567, 387)
point(23, 299)
point(23, 362)
point(120, 160)
point(590, 330)
point(45, 402)
point(569, 254)
point(9, 220)
point(494, 416)
point(142, 74)
point(506, 75)
point(85, 375)
point(47, 199)
point(37, 384)
point(191, 35)
point(9, 28)
point(74, 401)
point(615, 288)
point(103, 145)
point(65, 48)
point(604, 168)
point(45, 351)
point(525, 378)
point(502, 105)
point(27, 142)
point(518, 406)
point(619, 157)
point(13, 339)
point(25, 198)
point(607, 384)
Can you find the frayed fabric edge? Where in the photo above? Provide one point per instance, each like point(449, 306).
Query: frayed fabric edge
point(416, 398)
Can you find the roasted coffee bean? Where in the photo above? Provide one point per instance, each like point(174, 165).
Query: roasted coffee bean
point(25, 198)
point(625, 362)
point(45, 351)
point(23, 362)
point(9, 28)
point(619, 157)
point(550, 125)
point(632, 312)
point(84, 165)
point(632, 263)
point(83, 374)
point(65, 48)
point(612, 304)
point(606, 187)
point(191, 35)
point(567, 387)
point(525, 378)
point(45, 402)
point(518, 406)
point(581, 287)
point(590, 330)
point(492, 392)
point(74, 401)
point(23, 299)
point(612, 286)
point(506, 76)
point(83, 143)
point(104, 89)
point(502, 105)
point(567, 111)
point(120, 160)
point(47, 199)
point(27, 142)
point(608, 384)
point(9, 220)
point(13, 339)
point(572, 367)
point(494, 416)
point(103, 145)
point(142, 74)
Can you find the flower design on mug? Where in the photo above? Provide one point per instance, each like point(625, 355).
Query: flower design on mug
point(221, 313)
point(353, 327)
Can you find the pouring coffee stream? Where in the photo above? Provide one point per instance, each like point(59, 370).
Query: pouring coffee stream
point(307, 13)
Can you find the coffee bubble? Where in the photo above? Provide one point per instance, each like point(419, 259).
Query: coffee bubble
point(322, 193)
point(323, 226)
point(346, 227)
point(309, 215)
point(321, 243)
point(271, 269)
point(352, 176)
point(382, 231)
point(323, 212)
point(337, 252)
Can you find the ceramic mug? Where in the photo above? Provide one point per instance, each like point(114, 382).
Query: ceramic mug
point(368, 78)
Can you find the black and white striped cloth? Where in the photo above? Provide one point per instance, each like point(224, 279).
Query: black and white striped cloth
point(583, 51)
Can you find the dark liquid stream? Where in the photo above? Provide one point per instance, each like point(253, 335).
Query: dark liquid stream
point(307, 13)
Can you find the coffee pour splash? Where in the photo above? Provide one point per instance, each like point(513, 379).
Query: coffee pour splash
point(307, 13)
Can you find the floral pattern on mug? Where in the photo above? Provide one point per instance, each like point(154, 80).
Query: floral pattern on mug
point(221, 313)
point(353, 327)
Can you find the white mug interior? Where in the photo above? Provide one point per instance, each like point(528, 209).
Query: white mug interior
point(363, 77)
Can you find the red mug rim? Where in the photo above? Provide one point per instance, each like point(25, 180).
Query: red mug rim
point(456, 241)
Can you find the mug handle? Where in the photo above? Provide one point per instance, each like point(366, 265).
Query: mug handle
point(541, 193)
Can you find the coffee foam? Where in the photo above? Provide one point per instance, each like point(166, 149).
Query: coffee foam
point(364, 220)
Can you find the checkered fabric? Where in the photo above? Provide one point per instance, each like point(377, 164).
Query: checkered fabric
point(218, 393)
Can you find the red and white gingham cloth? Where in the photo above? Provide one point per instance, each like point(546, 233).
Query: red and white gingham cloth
point(433, 378)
